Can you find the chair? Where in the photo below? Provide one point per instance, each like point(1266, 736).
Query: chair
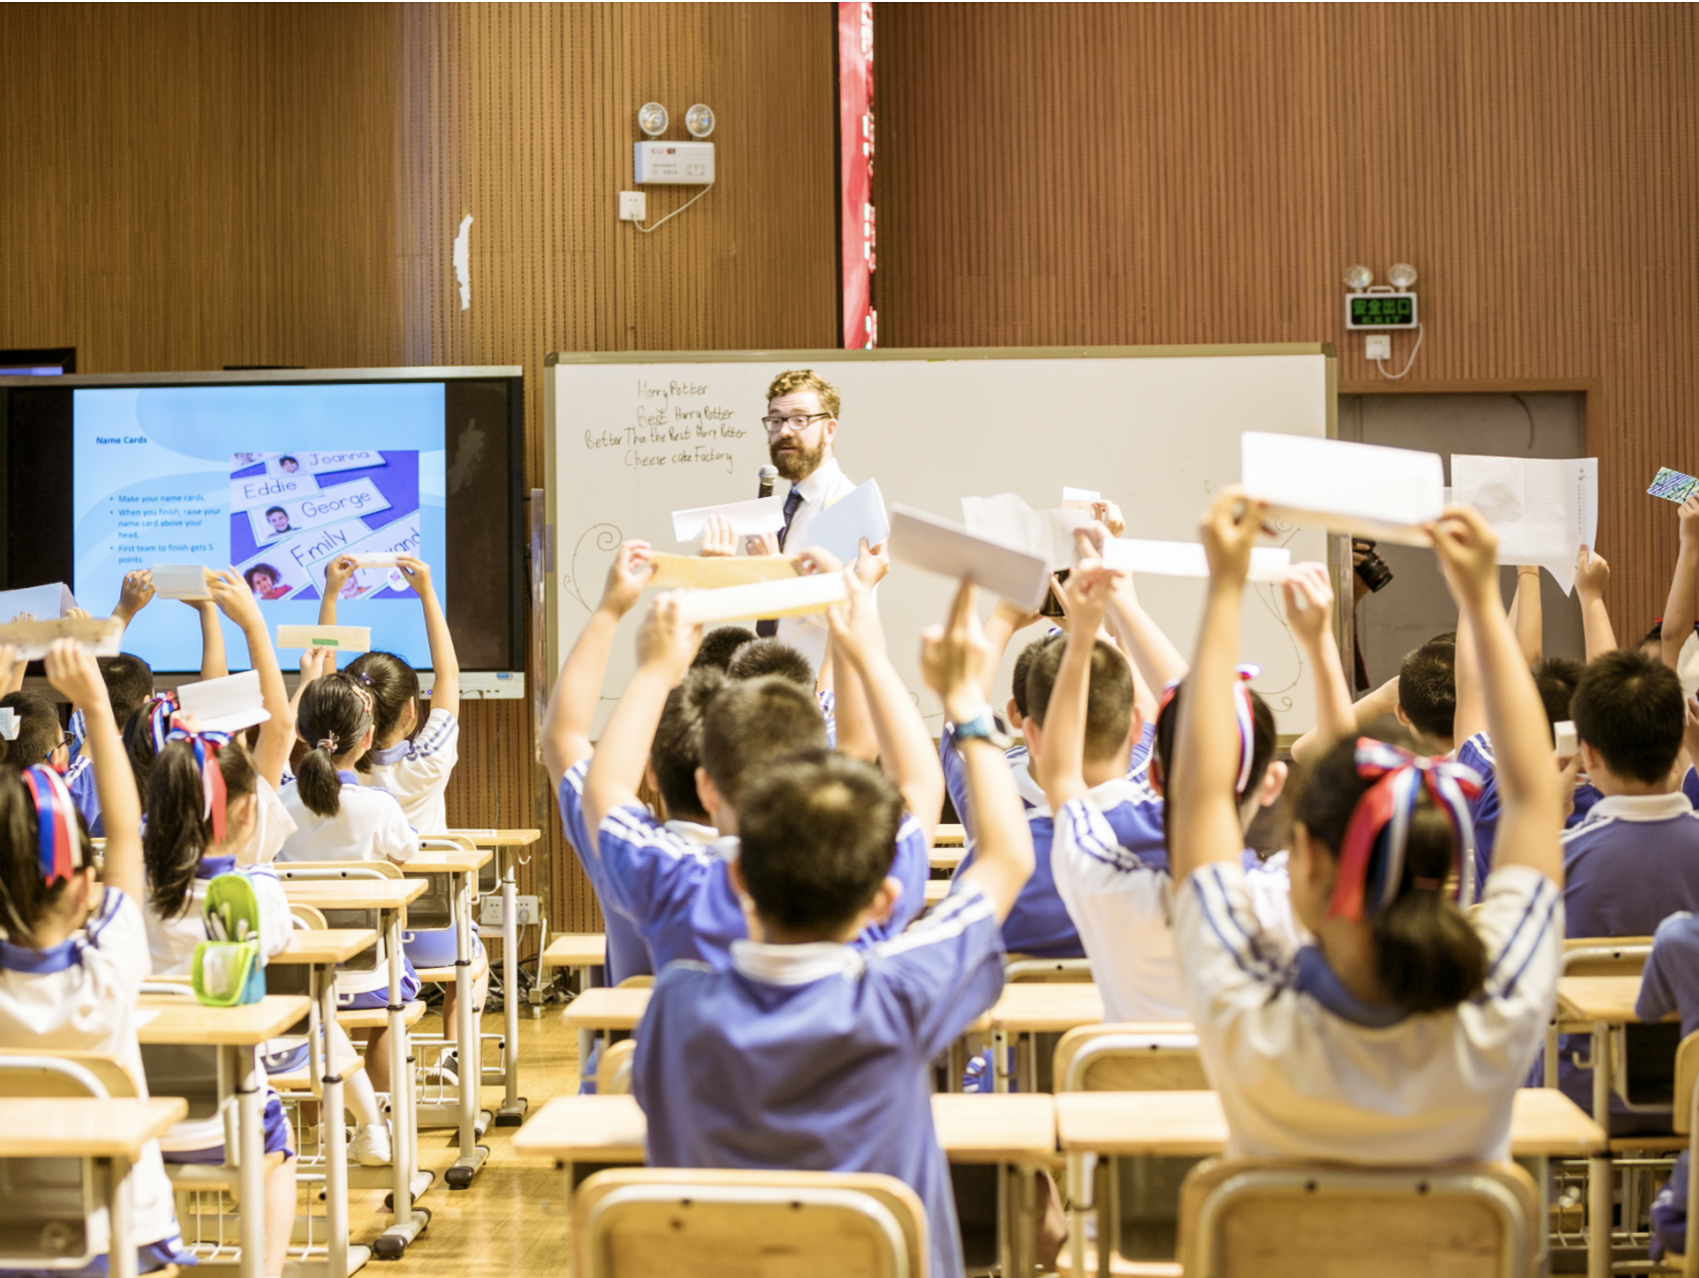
point(1687, 1124)
point(1025, 971)
point(1142, 1195)
point(1241, 1217)
point(641, 1223)
point(613, 1071)
point(309, 916)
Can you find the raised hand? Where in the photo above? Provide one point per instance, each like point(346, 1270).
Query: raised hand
point(873, 562)
point(336, 574)
point(233, 598)
point(856, 632)
point(1108, 514)
point(666, 641)
point(417, 572)
point(135, 593)
point(316, 663)
point(1309, 602)
point(955, 658)
point(72, 670)
point(1228, 530)
point(1592, 574)
point(1086, 595)
point(1467, 548)
point(719, 540)
point(627, 575)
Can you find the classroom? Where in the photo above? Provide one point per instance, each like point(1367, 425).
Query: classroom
point(860, 638)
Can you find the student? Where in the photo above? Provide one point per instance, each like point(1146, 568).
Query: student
point(1110, 858)
point(679, 894)
point(808, 1053)
point(1006, 621)
point(771, 657)
point(1401, 1035)
point(42, 740)
point(1670, 984)
point(75, 953)
point(719, 645)
point(338, 819)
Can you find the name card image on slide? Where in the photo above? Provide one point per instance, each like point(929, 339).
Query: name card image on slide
point(938, 546)
point(273, 574)
point(99, 635)
point(39, 603)
point(224, 705)
point(376, 554)
point(310, 463)
point(792, 597)
point(839, 528)
point(1672, 485)
point(181, 581)
point(345, 501)
point(675, 571)
point(341, 638)
point(1361, 488)
point(268, 490)
point(748, 518)
point(1544, 509)
point(1188, 559)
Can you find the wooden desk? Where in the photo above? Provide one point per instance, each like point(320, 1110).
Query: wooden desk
point(1609, 999)
point(326, 946)
point(355, 894)
point(576, 950)
point(1036, 1007)
point(936, 891)
point(180, 1020)
point(946, 859)
point(446, 861)
point(112, 1132)
point(602, 1010)
point(949, 836)
point(499, 838)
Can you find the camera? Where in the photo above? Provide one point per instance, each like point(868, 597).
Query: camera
point(1373, 569)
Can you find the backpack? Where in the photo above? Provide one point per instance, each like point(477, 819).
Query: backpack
point(228, 970)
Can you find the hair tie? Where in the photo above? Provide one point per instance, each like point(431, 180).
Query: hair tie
point(365, 678)
point(329, 742)
point(59, 851)
point(1244, 718)
point(214, 797)
point(1366, 883)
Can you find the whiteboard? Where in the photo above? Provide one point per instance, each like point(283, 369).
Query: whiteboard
point(632, 437)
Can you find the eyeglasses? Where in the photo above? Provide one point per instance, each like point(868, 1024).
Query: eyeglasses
point(65, 742)
point(776, 425)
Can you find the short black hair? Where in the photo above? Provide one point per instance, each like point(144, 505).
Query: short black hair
point(676, 750)
point(1427, 688)
point(278, 510)
point(129, 682)
point(771, 656)
point(39, 729)
point(754, 721)
point(818, 834)
point(1264, 739)
point(1629, 707)
point(1018, 678)
point(1109, 700)
point(1555, 679)
point(719, 644)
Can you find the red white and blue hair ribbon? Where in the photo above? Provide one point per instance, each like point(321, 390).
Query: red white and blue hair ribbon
point(160, 712)
point(1242, 715)
point(59, 846)
point(1366, 883)
point(206, 746)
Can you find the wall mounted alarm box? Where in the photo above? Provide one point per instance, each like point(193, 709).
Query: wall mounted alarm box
point(677, 163)
point(1380, 310)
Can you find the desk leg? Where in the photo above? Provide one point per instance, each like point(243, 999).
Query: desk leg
point(335, 1134)
point(1080, 1170)
point(408, 1222)
point(1005, 1225)
point(513, 1106)
point(472, 1154)
point(1025, 1206)
point(1599, 1169)
point(999, 1059)
point(120, 1232)
point(250, 1137)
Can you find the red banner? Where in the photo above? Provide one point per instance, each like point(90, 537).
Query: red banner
point(855, 178)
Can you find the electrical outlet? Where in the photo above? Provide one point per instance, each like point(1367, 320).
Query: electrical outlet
point(633, 206)
point(525, 910)
point(1377, 346)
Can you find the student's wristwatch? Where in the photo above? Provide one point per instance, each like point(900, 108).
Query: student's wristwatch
point(983, 727)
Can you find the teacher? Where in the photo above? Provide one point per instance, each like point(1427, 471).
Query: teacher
point(801, 422)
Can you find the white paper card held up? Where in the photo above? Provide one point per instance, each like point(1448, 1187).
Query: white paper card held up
point(8, 724)
point(748, 518)
point(839, 528)
point(224, 705)
point(939, 546)
point(1360, 488)
point(1187, 559)
point(99, 635)
point(1544, 509)
point(42, 603)
point(1007, 518)
point(1080, 498)
point(337, 638)
point(789, 597)
point(180, 581)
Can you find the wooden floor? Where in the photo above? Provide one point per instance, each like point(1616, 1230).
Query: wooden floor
point(511, 1219)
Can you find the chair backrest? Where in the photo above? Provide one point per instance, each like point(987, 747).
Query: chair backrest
point(58, 1074)
point(188, 1070)
point(641, 1223)
point(636, 983)
point(308, 917)
point(613, 1070)
point(1295, 1220)
point(1606, 955)
point(433, 909)
point(1686, 1076)
point(1129, 1058)
point(316, 871)
point(1030, 971)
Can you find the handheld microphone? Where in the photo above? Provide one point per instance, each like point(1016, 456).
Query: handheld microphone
point(768, 475)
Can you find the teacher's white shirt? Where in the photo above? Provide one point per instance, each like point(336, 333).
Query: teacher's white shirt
point(826, 485)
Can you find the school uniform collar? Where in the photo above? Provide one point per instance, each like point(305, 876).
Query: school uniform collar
point(1314, 977)
point(348, 777)
point(1111, 794)
point(212, 866)
point(825, 477)
point(793, 964)
point(728, 847)
point(1027, 785)
point(1641, 807)
point(391, 754)
point(55, 958)
point(693, 831)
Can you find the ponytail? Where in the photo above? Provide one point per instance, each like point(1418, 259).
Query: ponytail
point(186, 807)
point(392, 685)
point(29, 886)
point(335, 712)
point(145, 734)
point(1427, 956)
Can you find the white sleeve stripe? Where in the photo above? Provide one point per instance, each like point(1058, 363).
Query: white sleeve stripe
point(1544, 889)
point(428, 742)
point(1589, 825)
point(627, 828)
point(958, 912)
point(1091, 843)
point(1249, 963)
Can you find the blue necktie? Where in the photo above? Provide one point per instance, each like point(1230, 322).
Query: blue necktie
point(770, 628)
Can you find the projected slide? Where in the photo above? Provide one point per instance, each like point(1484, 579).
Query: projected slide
point(274, 481)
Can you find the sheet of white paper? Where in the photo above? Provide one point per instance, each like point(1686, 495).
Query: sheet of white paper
point(8, 724)
point(936, 545)
point(42, 603)
point(224, 705)
point(463, 261)
point(140, 1016)
point(839, 528)
point(1544, 509)
point(749, 518)
point(1007, 518)
point(1187, 559)
point(788, 597)
point(1080, 498)
point(180, 581)
point(97, 635)
point(1361, 488)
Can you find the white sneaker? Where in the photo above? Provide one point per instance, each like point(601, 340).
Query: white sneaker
point(370, 1147)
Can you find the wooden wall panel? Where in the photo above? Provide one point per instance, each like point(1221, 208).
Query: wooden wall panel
point(1096, 174)
point(524, 116)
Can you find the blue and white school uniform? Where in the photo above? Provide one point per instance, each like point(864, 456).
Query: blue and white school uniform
point(79, 780)
point(80, 996)
point(818, 1057)
point(1306, 1071)
point(1670, 983)
point(627, 952)
point(368, 827)
point(1109, 861)
point(679, 894)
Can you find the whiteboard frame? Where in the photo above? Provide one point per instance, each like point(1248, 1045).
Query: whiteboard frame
point(1339, 546)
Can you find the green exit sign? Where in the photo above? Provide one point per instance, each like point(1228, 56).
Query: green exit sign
point(1380, 310)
